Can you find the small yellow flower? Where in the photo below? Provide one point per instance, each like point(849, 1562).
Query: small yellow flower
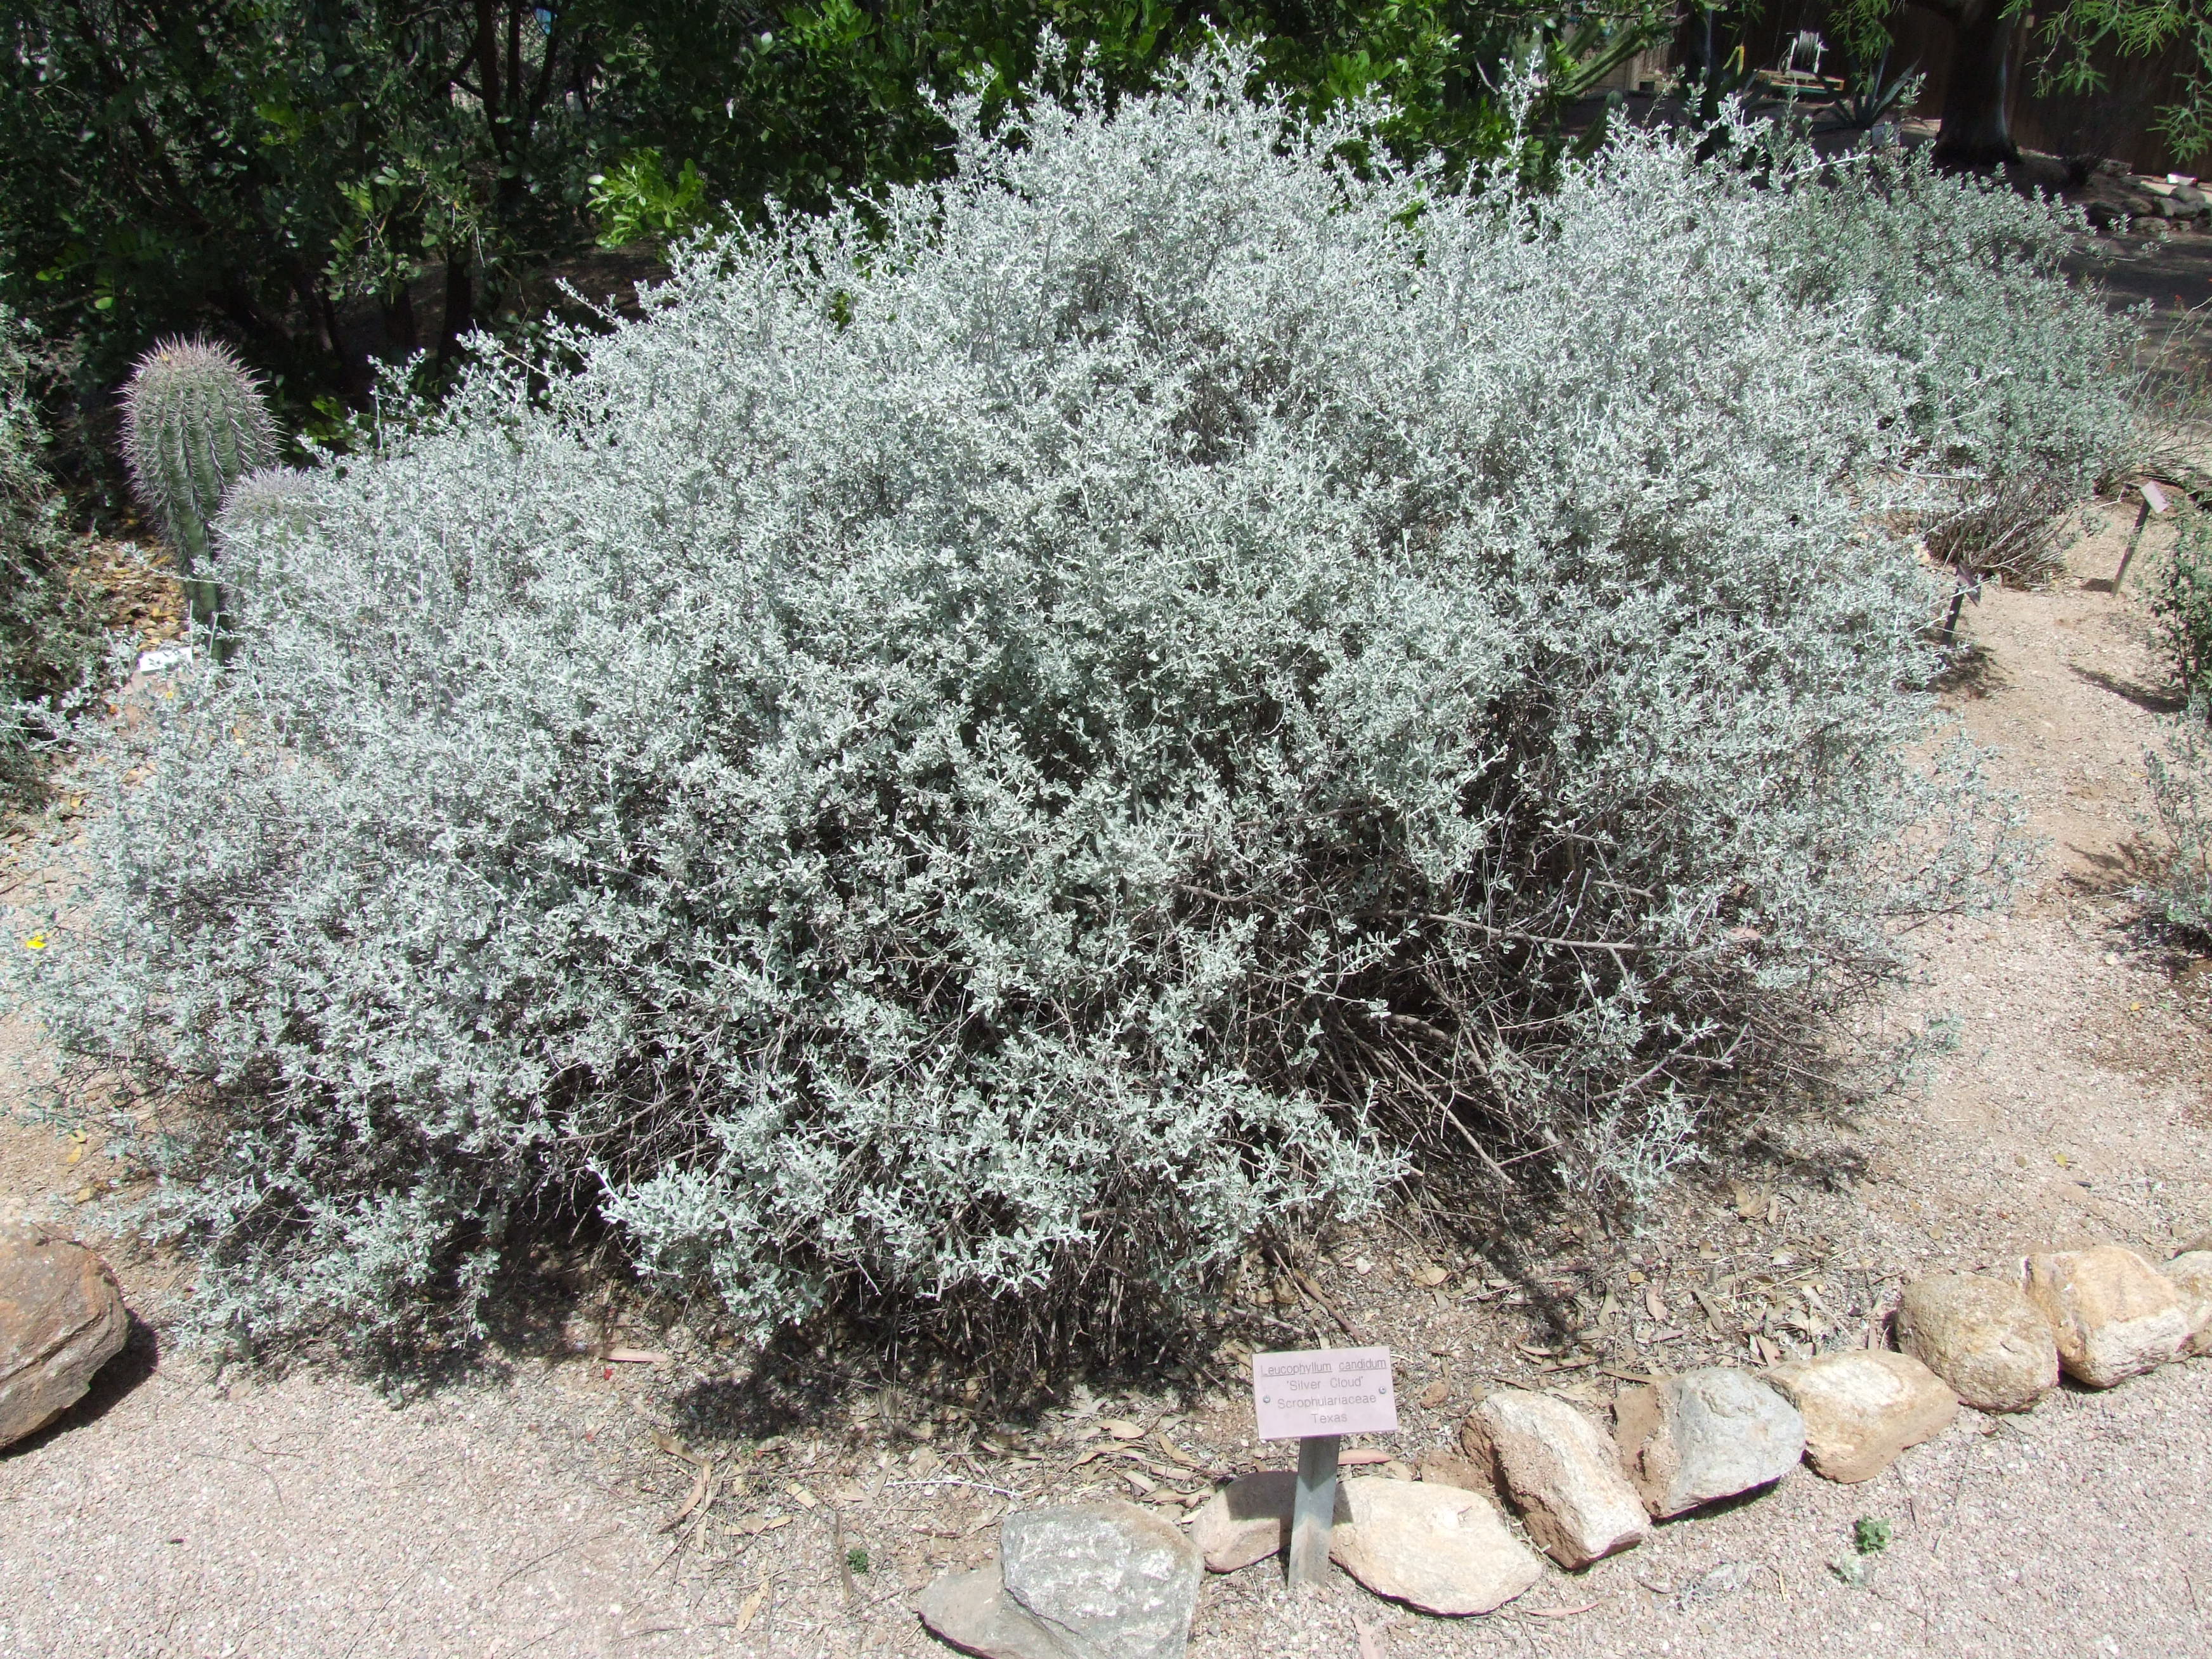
point(36, 942)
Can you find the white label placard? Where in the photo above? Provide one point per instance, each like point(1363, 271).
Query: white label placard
point(1324, 1391)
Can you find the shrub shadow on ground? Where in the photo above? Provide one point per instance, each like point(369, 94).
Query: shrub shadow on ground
point(1971, 673)
point(137, 1361)
point(2133, 865)
point(2149, 699)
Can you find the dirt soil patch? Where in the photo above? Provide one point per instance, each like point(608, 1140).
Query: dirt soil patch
point(567, 1500)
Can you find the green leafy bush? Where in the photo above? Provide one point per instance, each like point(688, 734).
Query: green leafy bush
point(1151, 688)
point(48, 633)
point(636, 201)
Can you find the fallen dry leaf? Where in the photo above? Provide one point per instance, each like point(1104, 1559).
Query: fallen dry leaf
point(806, 1499)
point(1430, 1276)
point(1368, 1647)
point(1652, 1304)
point(1174, 1453)
point(691, 1498)
point(1437, 1393)
point(634, 1357)
point(752, 1605)
point(1359, 1455)
point(1121, 1428)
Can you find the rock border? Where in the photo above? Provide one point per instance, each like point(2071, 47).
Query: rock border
point(1678, 1445)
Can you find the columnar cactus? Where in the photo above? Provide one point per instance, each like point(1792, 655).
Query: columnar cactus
point(270, 496)
point(193, 424)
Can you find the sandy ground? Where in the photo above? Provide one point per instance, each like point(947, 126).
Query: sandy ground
point(182, 1511)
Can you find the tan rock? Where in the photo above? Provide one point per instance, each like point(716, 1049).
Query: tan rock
point(2115, 1316)
point(1436, 1548)
point(1981, 1335)
point(1447, 1469)
point(1708, 1434)
point(1561, 1471)
point(2191, 1273)
point(61, 1319)
point(1862, 1408)
point(1247, 1520)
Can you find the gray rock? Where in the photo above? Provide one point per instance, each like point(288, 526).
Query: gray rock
point(1247, 1520)
point(1983, 1337)
point(61, 1319)
point(1708, 1434)
point(970, 1611)
point(1105, 1580)
point(1437, 1548)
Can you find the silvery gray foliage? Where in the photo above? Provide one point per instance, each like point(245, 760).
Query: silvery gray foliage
point(1141, 694)
point(2180, 775)
point(2022, 393)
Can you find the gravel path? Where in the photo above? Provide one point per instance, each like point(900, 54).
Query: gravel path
point(180, 1512)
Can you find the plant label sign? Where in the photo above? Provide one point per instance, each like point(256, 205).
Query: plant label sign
point(1325, 1391)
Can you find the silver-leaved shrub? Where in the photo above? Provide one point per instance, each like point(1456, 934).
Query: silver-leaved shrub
point(998, 747)
point(2021, 399)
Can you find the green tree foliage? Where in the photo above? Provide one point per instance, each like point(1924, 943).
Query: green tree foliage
point(2074, 33)
point(46, 630)
point(2064, 48)
point(273, 169)
point(323, 181)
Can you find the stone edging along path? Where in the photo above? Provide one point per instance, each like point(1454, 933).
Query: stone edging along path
point(1110, 1580)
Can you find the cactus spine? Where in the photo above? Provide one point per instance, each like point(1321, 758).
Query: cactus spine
point(193, 423)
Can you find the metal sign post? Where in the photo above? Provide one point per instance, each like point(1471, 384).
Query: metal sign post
point(1316, 1398)
point(1312, 1511)
point(2153, 500)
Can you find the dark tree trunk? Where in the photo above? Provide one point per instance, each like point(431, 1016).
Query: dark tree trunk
point(460, 309)
point(1977, 129)
point(399, 329)
point(354, 375)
